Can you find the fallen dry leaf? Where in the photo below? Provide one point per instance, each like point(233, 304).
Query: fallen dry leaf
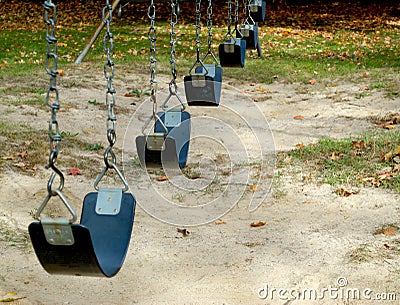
point(313, 82)
point(184, 232)
point(60, 72)
point(346, 192)
point(334, 156)
point(390, 155)
point(74, 171)
point(23, 154)
point(298, 117)
point(253, 187)
point(220, 222)
point(359, 144)
point(389, 127)
point(10, 297)
point(258, 224)
point(162, 178)
point(388, 231)
point(9, 157)
point(299, 145)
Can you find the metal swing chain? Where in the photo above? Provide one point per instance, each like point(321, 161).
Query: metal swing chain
point(52, 100)
point(209, 25)
point(172, 42)
point(210, 35)
point(110, 159)
point(236, 14)
point(152, 34)
point(108, 45)
point(52, 97)
point(198, 28)
point(229, 17)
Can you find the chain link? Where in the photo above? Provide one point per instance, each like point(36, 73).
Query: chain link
point(110, 159)
point(198, 28)
point(236, 14)
point(229, 17)
point(108, 45)
point(152, 34)
point(172, 42)
point(209, 25)
point(52, 97)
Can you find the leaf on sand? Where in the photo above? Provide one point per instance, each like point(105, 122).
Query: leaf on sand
point(298, 117)
point(184, 232)
point(258, 224)
point(74, 171)
point(10, 297)
point(220, 222)
point(253, 188)
point(346, 192)
point(387, 231)
point(162, 178)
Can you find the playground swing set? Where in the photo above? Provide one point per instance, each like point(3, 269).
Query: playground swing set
point(98, 244)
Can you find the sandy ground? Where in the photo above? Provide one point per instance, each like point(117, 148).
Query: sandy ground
point(307, 245)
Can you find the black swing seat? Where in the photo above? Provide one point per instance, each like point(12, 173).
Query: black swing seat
point(99, 243)
point(169, 149)
point(249, 32)
point(258, 10)
point(203, 88)
point(232, 53)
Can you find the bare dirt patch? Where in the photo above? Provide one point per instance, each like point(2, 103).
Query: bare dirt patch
point(312, 236)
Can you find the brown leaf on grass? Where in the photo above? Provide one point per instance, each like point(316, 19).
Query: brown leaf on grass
point(74, 171)
point(389, 127)
point(9, 157)
point(346, 192)
point(299, 146)
point(23, 154)
point(21, 164)
point(312, 82)
point(359, 144)
point(184, 232)
point(258, 224)
point(390, 155)
point(334, 156)
point(162, 178)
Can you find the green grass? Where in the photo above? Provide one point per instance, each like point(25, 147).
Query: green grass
point(354, 161)
point(293, 55)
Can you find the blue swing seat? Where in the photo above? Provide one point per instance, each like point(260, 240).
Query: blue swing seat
point(100, 241)
point(232, 53)
point(175, 146)
point(249, 32)
point(258, 9)
point(204, 87)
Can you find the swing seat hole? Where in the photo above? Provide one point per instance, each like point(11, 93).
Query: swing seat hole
point(229, 47)
point(173, 118)
point(155, 141)
point(198, 80)
point(245, 31)
point(253, 8)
